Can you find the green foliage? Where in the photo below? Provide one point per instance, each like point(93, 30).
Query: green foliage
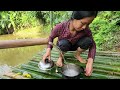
point(17, 19)
point(28, 19)
point(25, 19)
point(4, 21)
point(104, 29)
point(58, 16)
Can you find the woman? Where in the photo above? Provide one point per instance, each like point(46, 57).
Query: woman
point(75, 35)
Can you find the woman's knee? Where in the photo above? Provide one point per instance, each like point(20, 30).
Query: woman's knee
point(80, 49)
point(64, 45)
point(85, 43)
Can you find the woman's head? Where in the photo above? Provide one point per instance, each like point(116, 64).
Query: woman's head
point(83, 14)
point(82, 19)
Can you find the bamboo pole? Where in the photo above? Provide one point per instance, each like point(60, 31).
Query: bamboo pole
point(22, 43)
point(106, 53)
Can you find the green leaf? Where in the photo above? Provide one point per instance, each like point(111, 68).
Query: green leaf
point(3, 25)
point(9, 25)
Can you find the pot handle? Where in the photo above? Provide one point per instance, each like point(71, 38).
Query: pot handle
point(57, 70)
point(82, 69)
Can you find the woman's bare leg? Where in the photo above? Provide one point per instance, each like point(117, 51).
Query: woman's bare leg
point(78, 57)
point(60, 61)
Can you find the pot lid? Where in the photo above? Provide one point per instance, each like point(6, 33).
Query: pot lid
point(45, 65)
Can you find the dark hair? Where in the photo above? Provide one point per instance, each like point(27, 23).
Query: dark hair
point(82, 14)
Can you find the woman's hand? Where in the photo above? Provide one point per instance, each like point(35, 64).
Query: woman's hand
point(89, 67)
point(47, 54)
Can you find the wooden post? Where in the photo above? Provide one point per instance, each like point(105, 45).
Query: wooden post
point(22, 43)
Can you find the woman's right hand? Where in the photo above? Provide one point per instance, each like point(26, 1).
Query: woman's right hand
point(47, 54)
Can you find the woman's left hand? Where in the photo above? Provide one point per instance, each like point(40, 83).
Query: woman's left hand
point(89, 67)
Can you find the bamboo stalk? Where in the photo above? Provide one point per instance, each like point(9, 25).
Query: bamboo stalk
point(33, 63)
point(15, 76)
point(32, 68)
point(52, 71)
point(111, 63)
point(106, 72)
point(22, 43)
point(34, 75)
point(95, 74)
point(98, 53)
point(106, 67)
point(106, 53)
point(104, 76)
point(5, 77)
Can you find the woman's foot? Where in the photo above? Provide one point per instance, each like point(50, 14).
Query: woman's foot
point(80, 59)
point(59, 62)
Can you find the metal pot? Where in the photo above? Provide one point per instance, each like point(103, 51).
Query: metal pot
point(71, 71)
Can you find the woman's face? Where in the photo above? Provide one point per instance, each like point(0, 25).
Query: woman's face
point(82, 23)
